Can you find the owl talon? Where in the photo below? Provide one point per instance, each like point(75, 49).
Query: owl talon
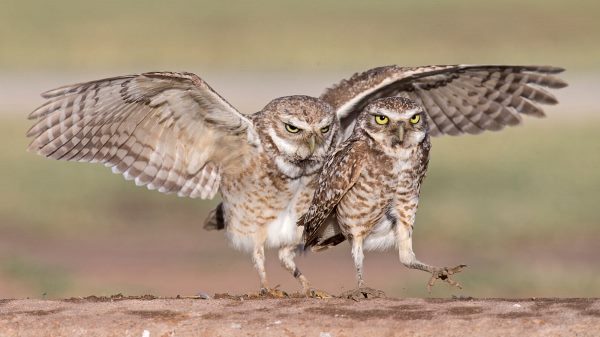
point(362, 293)
point(273, 293)
point(444, 274)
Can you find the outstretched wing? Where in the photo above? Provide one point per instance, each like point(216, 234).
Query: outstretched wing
point(457, 98)
point(167, 131)
point(339, 174)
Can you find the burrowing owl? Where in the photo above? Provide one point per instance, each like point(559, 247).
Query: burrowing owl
point(173, 133)
point(371, 186)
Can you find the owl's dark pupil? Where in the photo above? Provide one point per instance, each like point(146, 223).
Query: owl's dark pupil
point(381, 119)
point(292, 129)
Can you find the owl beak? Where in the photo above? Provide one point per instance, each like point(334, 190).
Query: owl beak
point(311, 144)
point(401, 133)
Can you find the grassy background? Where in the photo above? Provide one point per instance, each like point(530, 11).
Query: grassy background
point(518, 206)
point(310, 35)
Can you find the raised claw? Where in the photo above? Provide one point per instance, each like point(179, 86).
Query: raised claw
point(444, 274)
point(273, 293)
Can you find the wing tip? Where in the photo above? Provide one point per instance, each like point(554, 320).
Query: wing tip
point(33, 131)
point(42, 149)
point(33, 115)
point(33, 148)
point(550, 100)
point(552, 69)
point(57, 91)
point(559, 83)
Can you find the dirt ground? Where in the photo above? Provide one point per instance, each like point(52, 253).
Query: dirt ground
point(147, 316)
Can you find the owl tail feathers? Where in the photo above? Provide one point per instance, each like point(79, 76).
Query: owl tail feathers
point(327, 235)
point(328, 242)
point(214, 220)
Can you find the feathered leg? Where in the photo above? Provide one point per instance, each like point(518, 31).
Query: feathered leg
point(258, 257)
point(358, 255)
point(408, 259)
point(361, 292)
point(286, 257)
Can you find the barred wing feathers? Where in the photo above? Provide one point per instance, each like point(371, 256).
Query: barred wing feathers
point(168, 131)
point(458, 99)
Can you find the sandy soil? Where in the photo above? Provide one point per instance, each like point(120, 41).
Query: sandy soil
point(148, 316)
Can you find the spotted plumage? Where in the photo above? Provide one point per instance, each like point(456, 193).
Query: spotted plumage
point(173, 133)
point(370, 185)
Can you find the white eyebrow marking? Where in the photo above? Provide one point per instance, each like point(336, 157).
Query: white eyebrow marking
point(298, 123)
point(324, 123)
point(395, 114)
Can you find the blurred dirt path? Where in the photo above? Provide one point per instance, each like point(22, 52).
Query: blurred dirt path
point(300, 317)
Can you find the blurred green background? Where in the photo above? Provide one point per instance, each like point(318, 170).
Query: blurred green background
point(518, 206)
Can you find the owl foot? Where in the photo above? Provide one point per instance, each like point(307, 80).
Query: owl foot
point(273, 293)
point(316, 293)
point(362, 293)
point(444, 273)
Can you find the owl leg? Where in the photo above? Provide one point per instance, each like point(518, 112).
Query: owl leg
point(362, 292)
point(357, 254)
point(258, 257)
point(286, 257)
point(408, 259)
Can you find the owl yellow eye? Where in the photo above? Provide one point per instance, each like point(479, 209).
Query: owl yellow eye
point(325, 129)
point(415, 119)
point(291, 128)
point(381, 120)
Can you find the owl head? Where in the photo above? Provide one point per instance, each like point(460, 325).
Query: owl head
point(297, 132)
point(394, 123)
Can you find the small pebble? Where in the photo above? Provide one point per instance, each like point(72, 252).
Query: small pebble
point(277, 322)
point(325, 334)
point(516, 305)
point(236, 326)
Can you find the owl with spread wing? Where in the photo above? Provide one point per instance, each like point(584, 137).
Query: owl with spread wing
point(368, 190)
point(172, 132)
